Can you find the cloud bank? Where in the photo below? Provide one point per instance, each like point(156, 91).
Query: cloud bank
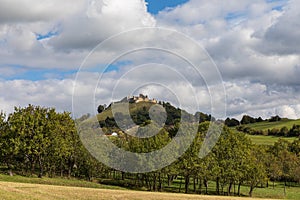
point(255, 45)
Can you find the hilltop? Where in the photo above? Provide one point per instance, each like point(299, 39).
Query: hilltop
point(144, 111)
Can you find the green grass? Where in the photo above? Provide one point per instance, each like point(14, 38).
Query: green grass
point(278, 125)
point(276, 193)
point(264, 126)
point(121, 107)
point(56, 181)
point(268, 140)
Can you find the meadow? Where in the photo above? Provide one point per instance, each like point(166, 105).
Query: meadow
point(19, 187)
point(263, 126)
point(268, 140)
point(27, 191)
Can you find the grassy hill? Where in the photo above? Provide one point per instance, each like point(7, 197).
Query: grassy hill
point(278, 125)
point(268, 140)
point(133, 107)
point(265, 126)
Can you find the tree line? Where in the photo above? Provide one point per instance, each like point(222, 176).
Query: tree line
point(246, 119)
point(233, 162)
point(40, 141)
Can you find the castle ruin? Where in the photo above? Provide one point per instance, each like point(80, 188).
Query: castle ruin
point(137, 99)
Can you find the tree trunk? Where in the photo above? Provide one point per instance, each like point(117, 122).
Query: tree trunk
point(136, 180)
point(170, 180)
point(32, 163)
point(61, 169)
point(123, 175)
point(239, 188)
point(69, 172)
point(154, 182)
point(250, 192)
point(41, 167)
point(205, 182)
point(10, 172)
point(160, 182)
point(200, 186)
point(180, 184)
point(187, 182)
point(218, 185)
point(229, 188)
point(9, 169)
point(147, 182)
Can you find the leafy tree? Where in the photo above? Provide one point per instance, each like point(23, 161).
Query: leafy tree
point(256, 171)
point(275, 119)
point(295, 131)
point(231, 122)
point(29, 126)
point(100, 108)
point(202, 117)
point(295, 147)
point(246, 119)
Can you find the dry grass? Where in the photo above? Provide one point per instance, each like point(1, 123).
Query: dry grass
point(25, 191)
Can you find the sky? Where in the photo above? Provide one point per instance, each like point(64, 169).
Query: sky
point(155, 6)
point(247, 54)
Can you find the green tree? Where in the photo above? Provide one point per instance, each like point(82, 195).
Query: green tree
point(231, 122)
point(29, 126)
point(256, 170)
point(100, 108)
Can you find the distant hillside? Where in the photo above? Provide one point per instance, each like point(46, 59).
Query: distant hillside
point(165, 113)
point(281, 128)
point(264, 126)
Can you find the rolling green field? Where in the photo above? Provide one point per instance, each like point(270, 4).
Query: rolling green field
point(264, 126)
point(268, 140)
point(270, 125)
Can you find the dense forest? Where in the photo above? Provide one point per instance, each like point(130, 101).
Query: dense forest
point(38, 141)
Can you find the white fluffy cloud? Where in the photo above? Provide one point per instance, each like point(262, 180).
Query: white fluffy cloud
point(102, 19)
point(24, 11)
point(50, 93)
point(67, 30)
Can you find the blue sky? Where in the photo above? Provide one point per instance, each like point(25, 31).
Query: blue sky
point(154, 6)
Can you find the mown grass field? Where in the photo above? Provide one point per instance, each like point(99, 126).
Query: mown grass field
point(18, 187)
point(56, 181)
point(26, 191)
